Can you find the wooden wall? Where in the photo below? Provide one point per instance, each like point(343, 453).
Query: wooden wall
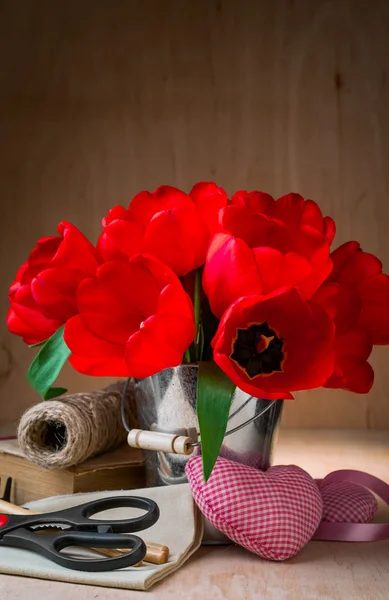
point(102, 98)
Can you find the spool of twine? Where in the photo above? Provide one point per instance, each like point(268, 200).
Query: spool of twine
point(62, 433)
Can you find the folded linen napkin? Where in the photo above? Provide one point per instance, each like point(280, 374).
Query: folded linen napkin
point(180, 527)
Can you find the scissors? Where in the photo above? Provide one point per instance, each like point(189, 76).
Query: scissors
point(22, 531)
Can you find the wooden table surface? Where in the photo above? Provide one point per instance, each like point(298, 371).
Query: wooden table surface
point(322, 571)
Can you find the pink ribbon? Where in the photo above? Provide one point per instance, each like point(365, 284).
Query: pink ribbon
point(355, 532)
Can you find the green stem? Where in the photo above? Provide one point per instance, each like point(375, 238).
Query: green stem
point(196, 304)
point(187, 356)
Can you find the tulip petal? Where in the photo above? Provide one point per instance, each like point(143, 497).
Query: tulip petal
point(312, 215)
point(255, 229)
point(289, 209)
point(30, 335)
point(230, 272)
point(174, 300)
point(359, 266)
point(255, 201)
point(75, 252)
point(254, 389)
point(355, 343)
point(278, 270)
point(92, 355)
point(342, 303)
point(145, 204)
point(159, 344)
point(329, 229)
point(15, 285)
point(312, 346)
point(161, 272)
point(117, 213)
point(270, 263)
point(356, 376)
point(39, 258)
point(179, 238)
point(340, 257)
point(374, 293)
point(27, 310)
point(209, 199)
point(364, 271)
point(128, 304)
point(56, 292)
point(120, 238)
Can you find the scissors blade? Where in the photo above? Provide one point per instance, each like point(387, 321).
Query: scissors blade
point(50, 527)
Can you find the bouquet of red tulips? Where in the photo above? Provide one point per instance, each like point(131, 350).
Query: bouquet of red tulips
point(247, 287)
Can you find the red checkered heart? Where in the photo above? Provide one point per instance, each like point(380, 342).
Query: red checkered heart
point(347, 502)
point(272, 513)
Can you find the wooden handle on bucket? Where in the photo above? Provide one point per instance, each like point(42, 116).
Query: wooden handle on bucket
point(163, 442)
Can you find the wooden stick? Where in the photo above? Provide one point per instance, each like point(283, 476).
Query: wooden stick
point(163, 442)
point(156, 553)
point(14, 509)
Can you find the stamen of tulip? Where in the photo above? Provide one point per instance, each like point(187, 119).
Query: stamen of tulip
point(263, 343)
point(258, 350)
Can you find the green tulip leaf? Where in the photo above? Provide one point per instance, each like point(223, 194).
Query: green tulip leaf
point(37, 344)
point(214, 395)
point(47, 365)
point(53, 392)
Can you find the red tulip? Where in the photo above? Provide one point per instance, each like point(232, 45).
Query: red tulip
point(234, 269)
point(135, 319)
point(352, 342)
point(209, 199)
point(272, 345)
point(291, 209)
point(364, 271)
point(43, 295)
point(294, 211)
point(352, 372)
point(267, 244)
point(256, 202)
point(168, 224)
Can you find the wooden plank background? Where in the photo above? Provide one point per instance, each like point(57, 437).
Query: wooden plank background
point(102, 98)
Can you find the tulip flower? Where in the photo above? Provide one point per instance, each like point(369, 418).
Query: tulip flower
point(364, 272)
point(172, 226)
point(352, 345)
point(291, 209)
point(135, 319)
point(272, 345)
point(258, 253)
point(43, 295)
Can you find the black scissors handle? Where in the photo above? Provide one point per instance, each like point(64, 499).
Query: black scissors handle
point(15, 530)
point(79, 517)
point(50, 546)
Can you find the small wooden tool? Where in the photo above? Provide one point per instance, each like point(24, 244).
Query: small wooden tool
point(157, 440)
point(156, 553)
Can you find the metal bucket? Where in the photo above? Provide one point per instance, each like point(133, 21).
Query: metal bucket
point(167, 402)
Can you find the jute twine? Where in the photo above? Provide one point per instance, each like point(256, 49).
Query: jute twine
point(61, 433)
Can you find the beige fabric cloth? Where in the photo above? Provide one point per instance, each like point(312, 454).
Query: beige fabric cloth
point(179, 527)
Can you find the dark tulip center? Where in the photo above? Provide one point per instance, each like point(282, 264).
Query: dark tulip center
point(258, 350)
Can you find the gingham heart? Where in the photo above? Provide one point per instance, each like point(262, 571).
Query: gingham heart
point(272, 513)
point(350, 530)
point(346, 502)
